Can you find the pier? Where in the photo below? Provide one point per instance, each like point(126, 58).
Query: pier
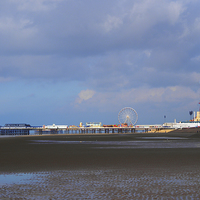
point(27, 130)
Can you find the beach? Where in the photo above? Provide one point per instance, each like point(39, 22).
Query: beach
point(111, 166)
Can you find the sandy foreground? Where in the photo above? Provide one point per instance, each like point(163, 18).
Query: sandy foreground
point(126, 166)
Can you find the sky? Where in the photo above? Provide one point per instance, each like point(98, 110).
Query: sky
point(72, 61)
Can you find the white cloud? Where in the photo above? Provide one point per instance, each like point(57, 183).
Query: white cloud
point(111, 23)
point(138, 96)
point(17, 29)
point(196, 25)
point(148, 53)
point(195, 77)
point(175, 9)
point(167, 94)
point(84, 95)
point(147, 13)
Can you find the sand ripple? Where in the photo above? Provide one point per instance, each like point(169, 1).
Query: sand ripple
point(107, 184)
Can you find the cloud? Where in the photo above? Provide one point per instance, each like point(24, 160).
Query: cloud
point(20, 29)
point(111, 23)
point(136, 96)
point(124, 52)
point(35, 5)
point(147, 14)
point(88, 31)
point(175, 9)
point(84, 95)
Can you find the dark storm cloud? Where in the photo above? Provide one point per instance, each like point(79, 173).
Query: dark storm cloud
point(106, 44)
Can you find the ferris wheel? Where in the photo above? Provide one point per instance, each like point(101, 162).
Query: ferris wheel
point(128, 116)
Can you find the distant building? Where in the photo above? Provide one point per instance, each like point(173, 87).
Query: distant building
point(197, 117)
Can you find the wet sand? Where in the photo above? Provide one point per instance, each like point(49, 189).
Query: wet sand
point(103, 166)
point(59, 152)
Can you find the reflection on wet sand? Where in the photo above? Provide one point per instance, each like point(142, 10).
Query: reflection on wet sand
point(107, 184)
point(145, 143)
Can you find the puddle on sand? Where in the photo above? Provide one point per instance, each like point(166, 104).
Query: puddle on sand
point(148, 142)
point(161, 138)
point(15, 178)
point(150, 145)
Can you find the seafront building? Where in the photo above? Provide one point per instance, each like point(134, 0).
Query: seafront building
point(195, 122)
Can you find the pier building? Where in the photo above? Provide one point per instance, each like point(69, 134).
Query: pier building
point(93, 124)
point(15, 129)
